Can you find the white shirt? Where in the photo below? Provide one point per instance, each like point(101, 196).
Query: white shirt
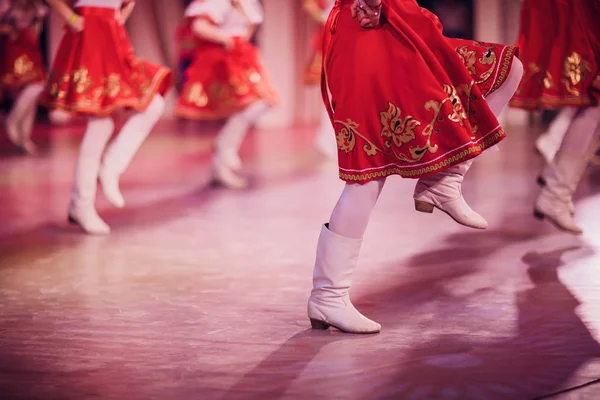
point(116, 4)
point(226, 16)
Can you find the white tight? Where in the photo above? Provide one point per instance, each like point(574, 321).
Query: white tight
point(237, 126)
point(25, 108)
point(352, 213)
point(121, 151)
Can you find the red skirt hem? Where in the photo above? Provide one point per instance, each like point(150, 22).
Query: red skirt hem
point(191, 112)
point(161, 85)
point(447, 160)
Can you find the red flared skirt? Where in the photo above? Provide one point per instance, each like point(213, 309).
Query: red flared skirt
point(221, 82)
point(21, 62)
point(312, 72)
point(560, 50)
point(96, 73)
point(405, 100)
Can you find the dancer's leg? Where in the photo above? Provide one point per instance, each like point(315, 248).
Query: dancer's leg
point(443, 190)
point(549, 142)
point(352, 212)
point(82, 209)
point(125, 146)
point(566, 170)
point(228, 142)
point(498, 100)
point(19, 122)
point(337, 255)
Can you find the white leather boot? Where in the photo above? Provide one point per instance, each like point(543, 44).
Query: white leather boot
point(443, 191)
point(571, 206)
point(125, 146)
point(82, 210)
point(20, 120)
point(329, 303)
point(563, 175)
point(223, 174)
point(549, 142)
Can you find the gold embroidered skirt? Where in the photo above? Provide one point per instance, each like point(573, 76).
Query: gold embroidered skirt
point(405, 99)
point(221, 82)
point(21, 62)
point(560, 50)
point(96, 73)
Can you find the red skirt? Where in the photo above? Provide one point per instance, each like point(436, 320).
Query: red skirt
point(406, 100)
point(21, 63)
point(560, 50)
point(96, 73)
point(312, 72)
point(221, 82)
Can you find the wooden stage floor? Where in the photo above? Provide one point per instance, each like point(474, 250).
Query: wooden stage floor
point(200, 293)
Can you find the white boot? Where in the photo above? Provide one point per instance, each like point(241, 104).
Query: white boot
point(229, 140)
point(224, 175)
point(443, 191)
point(571, 206)
point(19, 122)
point(125, 146)
point(82, 210)
point(563, 175)
point(329, 303)
point(549, 142)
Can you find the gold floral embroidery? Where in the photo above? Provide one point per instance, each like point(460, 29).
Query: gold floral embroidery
point(345, 139)
point(400, 130)
point(254, 77)
point(346, 136)
point(197, 95)
point(113, 85)
point(458, 111)
point(82, 80)
point(23, 66)
point(548, 80)
point(574, 72)
point(469, 59)
point(55, 87)
point(474, 148)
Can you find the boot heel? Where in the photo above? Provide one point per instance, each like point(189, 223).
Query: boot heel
point(538, 215)
point(316, 324)
point(423, 207)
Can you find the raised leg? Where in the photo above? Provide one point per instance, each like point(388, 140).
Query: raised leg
point(444, 189)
